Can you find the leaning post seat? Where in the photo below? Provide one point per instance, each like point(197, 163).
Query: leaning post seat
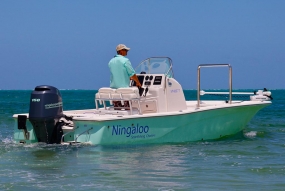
point(104, 94)
point(131, 91)
point(128, 94)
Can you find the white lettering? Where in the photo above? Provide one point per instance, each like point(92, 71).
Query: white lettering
point(53, 105)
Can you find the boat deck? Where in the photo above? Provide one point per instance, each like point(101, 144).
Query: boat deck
point(109, 113)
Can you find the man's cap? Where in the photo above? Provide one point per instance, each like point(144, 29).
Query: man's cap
point(121, 47)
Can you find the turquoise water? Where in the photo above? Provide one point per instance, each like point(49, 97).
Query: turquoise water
point(251, 160)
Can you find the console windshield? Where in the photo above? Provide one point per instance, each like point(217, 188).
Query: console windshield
point(156, 65)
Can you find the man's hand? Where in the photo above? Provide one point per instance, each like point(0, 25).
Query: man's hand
point(135, 78)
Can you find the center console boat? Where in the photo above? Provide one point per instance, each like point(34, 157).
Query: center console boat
point(156, 113)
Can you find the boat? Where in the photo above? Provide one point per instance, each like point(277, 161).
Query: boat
point(157, 113)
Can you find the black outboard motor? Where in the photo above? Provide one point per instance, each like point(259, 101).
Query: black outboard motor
point(45, 112)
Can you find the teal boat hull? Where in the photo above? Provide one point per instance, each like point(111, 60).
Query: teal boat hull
point(174, 127)
point(182, 127)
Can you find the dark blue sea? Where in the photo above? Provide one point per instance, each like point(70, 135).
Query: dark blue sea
point(250, 160)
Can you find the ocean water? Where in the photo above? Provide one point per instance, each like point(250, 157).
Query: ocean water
point(251, 160)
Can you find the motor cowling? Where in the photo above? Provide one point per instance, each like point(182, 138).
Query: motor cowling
point(261, 95)
point(45, 111)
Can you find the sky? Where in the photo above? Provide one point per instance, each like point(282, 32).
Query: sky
point(68, 43)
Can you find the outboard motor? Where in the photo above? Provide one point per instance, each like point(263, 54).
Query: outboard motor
point(45, 112)
point(261, 95)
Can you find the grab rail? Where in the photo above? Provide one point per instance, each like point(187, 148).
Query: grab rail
point(210, 66)
point(61, 141)
point(75, 140)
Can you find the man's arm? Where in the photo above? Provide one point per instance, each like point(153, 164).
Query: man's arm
point(135, 78)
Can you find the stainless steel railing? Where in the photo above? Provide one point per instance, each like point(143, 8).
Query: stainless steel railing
point(210, 66)
point(87, 131)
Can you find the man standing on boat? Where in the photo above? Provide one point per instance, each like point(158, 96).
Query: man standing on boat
point(122, 72)
point(121, 69)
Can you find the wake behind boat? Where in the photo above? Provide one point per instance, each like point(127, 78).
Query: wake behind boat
point(157, 113)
